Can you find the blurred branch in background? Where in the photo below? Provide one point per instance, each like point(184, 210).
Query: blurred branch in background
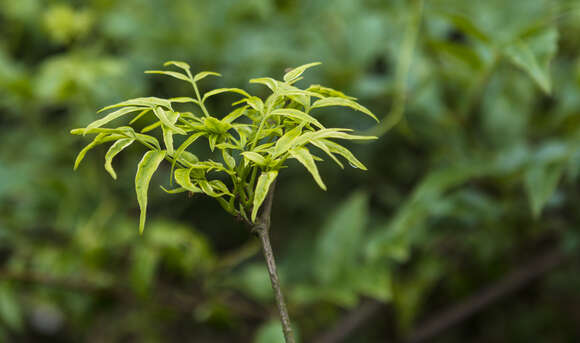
point(437, 323)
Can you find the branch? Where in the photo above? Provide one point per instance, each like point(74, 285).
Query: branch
point(350, 322)
point(262, 230)
point(477, 302)
point(455, 314)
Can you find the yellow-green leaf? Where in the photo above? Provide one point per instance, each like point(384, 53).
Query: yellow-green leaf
point(335, 101)
point(303, 156)
point(116, 148)
point(174, 74)
point(183, 179)
point(145, 170)
point(166, 118)
point(262, 187)
point(224, 90)
point(204, 74)
point(296, 72)
point(255, 157)
point(178, 64)
point(296, 114)
point(112, 116)
point(99, 139)
point(344, 152)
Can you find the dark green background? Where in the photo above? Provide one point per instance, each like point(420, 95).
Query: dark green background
point(476, 180)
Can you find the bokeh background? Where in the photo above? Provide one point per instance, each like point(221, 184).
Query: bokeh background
point(464, 229)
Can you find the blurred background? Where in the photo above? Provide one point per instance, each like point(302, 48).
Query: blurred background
point(465, 228)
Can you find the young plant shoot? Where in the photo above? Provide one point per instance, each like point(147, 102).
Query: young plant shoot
point(252, 144)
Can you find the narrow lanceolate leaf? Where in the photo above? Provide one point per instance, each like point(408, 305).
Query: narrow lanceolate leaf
point(344, 152)
point(183, 179)
point(255, 103)
point(116, 148)
point(262, 187)
point(255, 157)
point(140, 115)
point(168, 139)
point(99, 139)
point(184, 99)
point(112, 116)
point(324, 148)
point(145, 170)
point(168, 132)
point(269, 82)
point(184, 146)
point(174, 74)
point(174, 191)
point(178, 64)
point(235, 114)
point(225, 90)
point(335, 101)
point(166, 118)
point(143, 102)
point(229, 159)
point(326, 91)
point(204, 74)
point(296, 114)
point(303, 156)
point(286, 141)
point(296, 72)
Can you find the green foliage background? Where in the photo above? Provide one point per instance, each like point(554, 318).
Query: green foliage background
point(477, 174)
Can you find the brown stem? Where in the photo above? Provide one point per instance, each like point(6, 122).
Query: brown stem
point(262, 230)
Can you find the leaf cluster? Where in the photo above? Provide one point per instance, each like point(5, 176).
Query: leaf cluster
point(252, 142)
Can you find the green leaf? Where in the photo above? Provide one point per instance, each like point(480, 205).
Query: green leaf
point(255, 157)
point(150, 102)
point(224, 90)
point(344, 152)
point(228, 159)
point(145, 170)
point(184, 99)
point(328, 92)
point(184, 146)
point(183, 179)
point(533, 54)
point(303, 156)
point(267, 81)
point(116, 148)
point(235, 114)
point(255, 103)
point(174, 191)
point(262, 187)
point(204, 74)
point(112, 116)
point(10, 309)
point(178, 64)
point(99, 139)
point(295, 73)
point(143, 266)
point(324, 148)
point(540, 181)
point(168, 132)
point(140, 115)
point(287, 141)
point(174, 74)
point(338, 246)
point(296, 114)
point(334, 101)
point(151, 127)
point(466, 25)
point(167, 118)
